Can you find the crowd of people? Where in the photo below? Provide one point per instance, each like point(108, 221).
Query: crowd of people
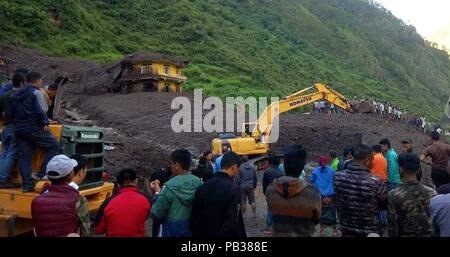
point(370, 191)
point(393, 112)
point(325, 107)
point(384, 109)
point(387, 109)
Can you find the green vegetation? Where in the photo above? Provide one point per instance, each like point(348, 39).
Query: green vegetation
point(249, 47)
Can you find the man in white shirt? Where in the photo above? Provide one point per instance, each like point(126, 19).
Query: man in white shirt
point(390, 111)
point(79, 172)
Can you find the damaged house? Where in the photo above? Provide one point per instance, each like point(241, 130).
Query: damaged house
point(150, 72)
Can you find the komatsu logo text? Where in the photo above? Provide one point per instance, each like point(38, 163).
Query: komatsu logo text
point(303, 100)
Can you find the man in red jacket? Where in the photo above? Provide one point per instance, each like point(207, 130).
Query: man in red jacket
point(125, 214)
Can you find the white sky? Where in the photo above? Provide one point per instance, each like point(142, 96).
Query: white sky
point(428, 16)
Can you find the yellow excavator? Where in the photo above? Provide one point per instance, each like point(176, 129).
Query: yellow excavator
point(15, 206)
point(255, 137)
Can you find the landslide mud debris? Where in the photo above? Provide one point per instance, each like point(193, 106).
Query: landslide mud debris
point(139, 124)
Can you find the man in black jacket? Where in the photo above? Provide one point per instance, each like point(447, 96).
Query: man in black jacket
point(205, 169)
point(359, 195)
point(346, 160)
point(272, 172)
point(215, 211)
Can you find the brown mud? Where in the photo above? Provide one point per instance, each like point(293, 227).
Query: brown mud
point(139, 125)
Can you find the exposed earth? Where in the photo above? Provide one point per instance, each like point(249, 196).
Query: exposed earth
point(139, 125)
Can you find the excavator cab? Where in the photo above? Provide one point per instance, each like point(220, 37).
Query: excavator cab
point(15, 206)
point(248, 128)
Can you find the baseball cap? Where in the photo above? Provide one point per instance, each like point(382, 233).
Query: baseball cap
point(407, 141)
point(60, 166)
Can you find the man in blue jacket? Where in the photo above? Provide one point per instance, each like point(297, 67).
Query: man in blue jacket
point(8, 86)
point(10, 153)
point(31, 128)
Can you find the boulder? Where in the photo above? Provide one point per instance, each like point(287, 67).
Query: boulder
point(364, 107)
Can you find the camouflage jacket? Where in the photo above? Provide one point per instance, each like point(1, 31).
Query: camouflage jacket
point(83, 216)
point(408, 210)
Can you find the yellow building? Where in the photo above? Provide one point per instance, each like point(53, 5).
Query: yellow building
point(147, 72)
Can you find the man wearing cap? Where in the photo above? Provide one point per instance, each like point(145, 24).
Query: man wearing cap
point(61, 210)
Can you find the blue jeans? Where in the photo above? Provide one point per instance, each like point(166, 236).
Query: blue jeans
point(9, 152)
point(269, 219)
point(26, 144)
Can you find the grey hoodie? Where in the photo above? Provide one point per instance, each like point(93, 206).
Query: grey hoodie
point(247, 179)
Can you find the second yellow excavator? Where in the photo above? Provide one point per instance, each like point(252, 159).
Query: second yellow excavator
point(255, 137)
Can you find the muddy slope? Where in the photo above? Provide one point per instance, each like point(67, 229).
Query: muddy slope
point(139, 124)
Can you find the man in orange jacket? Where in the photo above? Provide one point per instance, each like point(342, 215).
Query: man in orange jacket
point(379, 169)
point(379, 164)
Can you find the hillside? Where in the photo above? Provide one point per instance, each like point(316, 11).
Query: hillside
point(247, 47)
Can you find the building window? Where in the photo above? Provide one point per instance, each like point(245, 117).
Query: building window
point(166, 69)
point(178, 71)
point(150, 87)
point(146, 69)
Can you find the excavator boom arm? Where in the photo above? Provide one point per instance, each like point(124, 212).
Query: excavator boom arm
point(296, 100)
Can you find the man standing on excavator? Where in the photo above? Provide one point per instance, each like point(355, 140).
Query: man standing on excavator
point(9, 146)
point(31, 128)
point(50, 93)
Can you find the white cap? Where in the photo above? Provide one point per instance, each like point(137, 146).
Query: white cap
point(60, 166)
